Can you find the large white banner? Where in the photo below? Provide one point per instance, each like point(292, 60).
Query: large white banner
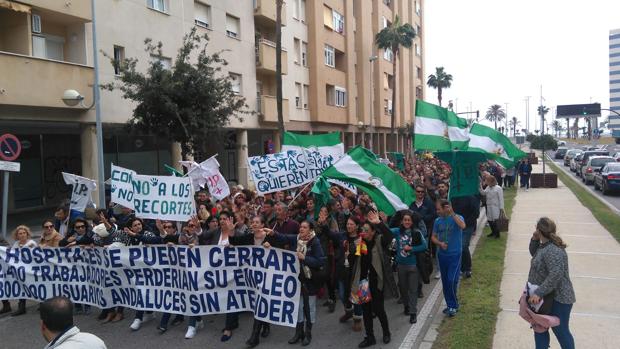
point(173, 279)
point(154, 197)
point(281, 171)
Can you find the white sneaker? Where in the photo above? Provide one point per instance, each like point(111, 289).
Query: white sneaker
point(527, 189)
point(438, 275)
point(135, 325)
point(191, 332)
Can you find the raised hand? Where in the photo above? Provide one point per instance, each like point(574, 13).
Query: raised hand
point(373, 217)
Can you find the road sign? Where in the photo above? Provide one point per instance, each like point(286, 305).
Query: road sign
point(10, 147)
point(9, 166)
point(578, 110)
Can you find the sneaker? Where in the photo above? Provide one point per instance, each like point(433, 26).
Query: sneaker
point(452, 312)
point(162, 329)
point(438, 275)
point(445, 311)
point(527, 189)
point(191, 332)
point(467, 274)
point(136, 324)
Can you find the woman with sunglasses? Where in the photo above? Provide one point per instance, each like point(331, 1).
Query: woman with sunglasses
point(23, 239)
point(49, 237)
point(81, 235)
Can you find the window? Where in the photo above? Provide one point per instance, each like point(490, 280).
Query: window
point(418, 7)
point(296, 9)
point(232, 26)
point(340, 97)
point(36, 24)
point(157, 5)
point(119, 56)
point(235, 80)
point(328, 17)
point(165, 62)
point(338, 22)
point(418, 93)
point(298, 101)
point(384, 22)
point(305, 96)
point(389, 106)
point(418, 30)
point(419, 72)
point(48, 46)
point(418, 50)
point(302, 11)
point(388, 55)
point(330, 56)
point(297, 51)
point(330, 94)
point(202, 14)
point(387, 2)
point(304, 54)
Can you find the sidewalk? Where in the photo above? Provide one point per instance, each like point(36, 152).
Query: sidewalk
point(594, 259)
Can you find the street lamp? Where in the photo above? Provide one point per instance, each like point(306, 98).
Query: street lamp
point(362, 127)
point(72, 98)
point(372, 90)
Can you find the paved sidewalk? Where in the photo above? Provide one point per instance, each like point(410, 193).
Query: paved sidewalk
point(594, 259)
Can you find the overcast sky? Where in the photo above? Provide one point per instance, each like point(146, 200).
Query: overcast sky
point(501, 51)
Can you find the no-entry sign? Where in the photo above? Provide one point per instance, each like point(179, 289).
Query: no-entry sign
point(10, 147)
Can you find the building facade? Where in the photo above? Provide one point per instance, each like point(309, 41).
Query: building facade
point(334, 79)
point(614, 78)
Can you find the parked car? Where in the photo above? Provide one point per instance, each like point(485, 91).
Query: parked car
point(595, 163)
point(560, 153)
point(570, 154)
point(608, 178)
point(561, 143)
point(616, 156)
point(586, 157)
point(575, 161)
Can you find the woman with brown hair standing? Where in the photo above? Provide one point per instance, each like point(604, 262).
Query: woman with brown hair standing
point(549, 271)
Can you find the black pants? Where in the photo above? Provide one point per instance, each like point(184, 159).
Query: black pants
point(377, 307)
point(330, 283)
point(494, 228)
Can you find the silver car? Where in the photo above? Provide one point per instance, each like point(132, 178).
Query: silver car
point(570, 154)
point(594, 163)
point(574, 162)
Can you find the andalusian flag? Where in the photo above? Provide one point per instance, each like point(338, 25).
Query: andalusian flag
point(439, 129)
point(329, 144)
point(431, 132)
point(500, 148)
point(388, 190)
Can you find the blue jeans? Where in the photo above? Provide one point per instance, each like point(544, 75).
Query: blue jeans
point(450, 267)
point(465, 255)
point(562, 332)
point(525, 181)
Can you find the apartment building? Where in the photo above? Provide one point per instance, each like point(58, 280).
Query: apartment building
point(614, 78)
point(330, 82)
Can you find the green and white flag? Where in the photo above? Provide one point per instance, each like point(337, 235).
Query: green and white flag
point(430, 127)
point(388, 189)
point(457, 131)
point(500, 148)
point(329, 145)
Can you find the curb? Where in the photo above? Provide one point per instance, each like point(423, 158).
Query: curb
point(424, 336)
point(591, 190)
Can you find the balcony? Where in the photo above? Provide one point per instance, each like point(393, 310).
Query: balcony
point(269, 109)
point(31, 81)
point(75, 8)
point(266, 57)
point(265, 12)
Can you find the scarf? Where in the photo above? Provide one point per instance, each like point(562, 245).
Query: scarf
point(302, 247)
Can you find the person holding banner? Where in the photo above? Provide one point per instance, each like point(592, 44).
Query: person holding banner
point(312, 277)
point(372, 267)
point(260, 236)
point(23, 239)
point(49, 237)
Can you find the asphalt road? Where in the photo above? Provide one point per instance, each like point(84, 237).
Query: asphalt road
point(23, 331)
point(613, 198)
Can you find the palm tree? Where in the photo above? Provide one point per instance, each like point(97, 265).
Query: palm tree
point(568, 128)
point(279, 4)
point(514, 123)
point(542, 110)
point(392, 38)
point(439, 80)
point(557, 127)
point(496, 114)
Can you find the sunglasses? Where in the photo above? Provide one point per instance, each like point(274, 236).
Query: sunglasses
point(48, 226)
point(80, 227)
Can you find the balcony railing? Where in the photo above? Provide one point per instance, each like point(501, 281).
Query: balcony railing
point(266, 57)
point(269, 109)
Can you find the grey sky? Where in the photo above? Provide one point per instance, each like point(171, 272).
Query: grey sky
point(500, 51)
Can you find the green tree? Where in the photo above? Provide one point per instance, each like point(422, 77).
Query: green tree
point(557, 127)
point(279, 4)
point(542, 111)
point(439, 81)
point(496, 114)
point(392, 38)
point(514, 123)
point(190, 103)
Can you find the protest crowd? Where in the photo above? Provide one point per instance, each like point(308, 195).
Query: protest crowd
point(352, 255)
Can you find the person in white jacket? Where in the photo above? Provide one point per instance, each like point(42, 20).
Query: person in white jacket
point(58, 330)
point(494, 202)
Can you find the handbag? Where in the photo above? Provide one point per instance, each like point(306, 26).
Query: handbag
point(424, 263)
point(363, 293)
point(547, 303)
point(503, 222)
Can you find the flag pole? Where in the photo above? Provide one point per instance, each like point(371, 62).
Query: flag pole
point(301, 191)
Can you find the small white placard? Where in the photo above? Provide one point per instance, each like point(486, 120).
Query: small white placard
point(9, 166)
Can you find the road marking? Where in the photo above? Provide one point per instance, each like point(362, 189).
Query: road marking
point(602, 316)
point(574, 276)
